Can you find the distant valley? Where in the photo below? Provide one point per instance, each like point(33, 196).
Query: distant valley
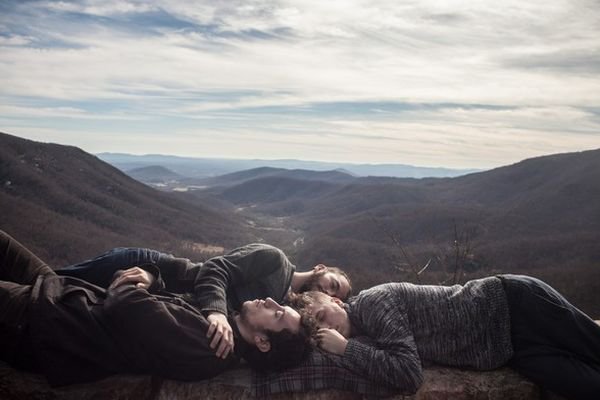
point(539, 216)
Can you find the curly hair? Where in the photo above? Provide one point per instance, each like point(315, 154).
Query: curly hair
point(300, 301)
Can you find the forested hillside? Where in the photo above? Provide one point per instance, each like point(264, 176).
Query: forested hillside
point(67, 205)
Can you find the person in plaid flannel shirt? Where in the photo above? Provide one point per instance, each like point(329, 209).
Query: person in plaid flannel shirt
point(512, 320)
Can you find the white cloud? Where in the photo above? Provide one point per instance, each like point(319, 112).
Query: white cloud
point(100, 7)
point(216, 61)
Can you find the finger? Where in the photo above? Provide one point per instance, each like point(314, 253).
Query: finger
point(127, 272)
point(116, 283)
point(211, 329)
point(226, 353)
point(231, 341)
point(122, 279)
point(216, 339)
point(222, 347)
point(133, 279)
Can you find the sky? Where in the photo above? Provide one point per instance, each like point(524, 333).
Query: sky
point(459, 84)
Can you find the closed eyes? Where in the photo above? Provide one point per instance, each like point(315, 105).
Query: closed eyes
point(319, 316)
point(335, 285)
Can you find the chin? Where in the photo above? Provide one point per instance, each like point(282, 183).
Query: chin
point(245, 307)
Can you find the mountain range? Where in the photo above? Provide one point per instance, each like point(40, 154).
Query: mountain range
point(542, 211)
point(209, 167)
point(539, 216)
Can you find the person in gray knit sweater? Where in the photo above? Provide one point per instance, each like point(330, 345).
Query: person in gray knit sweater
point(484, 324)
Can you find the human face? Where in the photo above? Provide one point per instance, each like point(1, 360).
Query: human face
point(329, 313)
point(268, 315)
point(333, 284)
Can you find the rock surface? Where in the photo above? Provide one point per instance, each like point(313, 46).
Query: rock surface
point(440, 383)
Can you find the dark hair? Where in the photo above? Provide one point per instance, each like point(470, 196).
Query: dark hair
point(288, 349)
point(312, 280)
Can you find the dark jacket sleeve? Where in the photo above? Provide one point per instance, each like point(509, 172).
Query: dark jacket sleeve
point(161, 336)
point(391, 358)
point(256, 270)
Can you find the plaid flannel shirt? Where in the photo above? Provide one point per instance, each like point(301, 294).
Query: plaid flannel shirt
point(320, 371)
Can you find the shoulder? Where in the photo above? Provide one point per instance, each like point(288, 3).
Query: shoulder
point(262, 255)
point(377, 304)
point(257, 249)
point(380, 294)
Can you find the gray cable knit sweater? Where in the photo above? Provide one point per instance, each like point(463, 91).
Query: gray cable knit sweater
point(464, 326)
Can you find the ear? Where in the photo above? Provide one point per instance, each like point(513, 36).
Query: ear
point(262, 342)
point(319, 268)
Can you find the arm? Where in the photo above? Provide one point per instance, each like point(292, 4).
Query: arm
point(173, 273)
point(161, 336)
point(249, 272)
point(391, 358)
point(397, 365)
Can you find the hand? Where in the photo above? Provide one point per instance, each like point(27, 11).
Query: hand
point(222, 334)
point(331, 341)
point(135, 276)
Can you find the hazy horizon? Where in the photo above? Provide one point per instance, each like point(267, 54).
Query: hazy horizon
point(426, 83)
point(267, 159)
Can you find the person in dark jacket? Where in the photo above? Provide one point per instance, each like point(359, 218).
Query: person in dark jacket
point(73, 331)
point(484, 324)
point(218, 286)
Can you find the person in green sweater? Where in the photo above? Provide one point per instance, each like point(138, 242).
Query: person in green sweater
point(217, 287)
point(512, 320)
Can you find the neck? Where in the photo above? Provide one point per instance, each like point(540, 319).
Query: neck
point(245, 331)
point(299, 279)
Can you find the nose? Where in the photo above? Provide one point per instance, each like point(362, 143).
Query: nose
point(269, 302)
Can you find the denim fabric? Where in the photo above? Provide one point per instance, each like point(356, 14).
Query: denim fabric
point(555, 344)
point(100, 270)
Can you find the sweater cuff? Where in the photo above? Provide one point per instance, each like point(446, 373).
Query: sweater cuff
point(214, 305)
point(356, 352)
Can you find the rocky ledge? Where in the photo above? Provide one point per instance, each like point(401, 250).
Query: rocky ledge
point(440, 383)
